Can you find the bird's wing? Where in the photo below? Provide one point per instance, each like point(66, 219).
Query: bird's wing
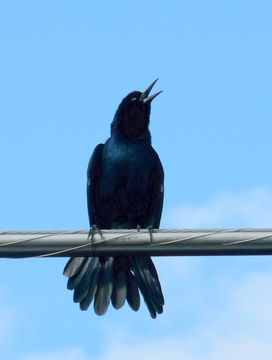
point(93, 174)
point(155, 191)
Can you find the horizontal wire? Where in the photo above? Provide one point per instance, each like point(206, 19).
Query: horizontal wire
point(193, 235)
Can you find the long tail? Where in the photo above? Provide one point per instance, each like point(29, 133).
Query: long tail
point(114, 279)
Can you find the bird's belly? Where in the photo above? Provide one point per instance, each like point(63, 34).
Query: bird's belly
point(123, 189)
point(123, 179)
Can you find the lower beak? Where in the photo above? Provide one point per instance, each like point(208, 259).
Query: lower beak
point(145, 98)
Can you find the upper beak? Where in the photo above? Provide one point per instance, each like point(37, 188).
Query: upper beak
point(145, 98)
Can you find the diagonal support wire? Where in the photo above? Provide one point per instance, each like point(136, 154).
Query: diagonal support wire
point(165, 242)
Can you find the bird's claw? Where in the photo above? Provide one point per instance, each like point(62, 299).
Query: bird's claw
point(94, 230)
point(150, 230)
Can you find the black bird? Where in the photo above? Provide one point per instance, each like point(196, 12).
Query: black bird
point(125, 191)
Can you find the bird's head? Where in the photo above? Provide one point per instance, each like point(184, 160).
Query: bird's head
point(132, 115)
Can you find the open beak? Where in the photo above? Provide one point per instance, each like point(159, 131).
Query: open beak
point(145, 98)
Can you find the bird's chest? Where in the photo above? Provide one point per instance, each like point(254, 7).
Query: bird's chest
point(125, 170)
point(123, 162)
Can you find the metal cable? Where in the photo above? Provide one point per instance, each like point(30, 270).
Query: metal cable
point(121, 241)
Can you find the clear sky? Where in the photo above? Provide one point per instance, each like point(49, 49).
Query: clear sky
point(64, 68)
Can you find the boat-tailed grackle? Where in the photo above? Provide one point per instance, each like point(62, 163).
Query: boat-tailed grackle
point(125, 191)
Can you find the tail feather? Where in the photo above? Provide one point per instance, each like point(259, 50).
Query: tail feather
point(147, 264)
point(115, 279)
point(75, 280)
point(83, 287)
point(86, 302)
point(104, 291)
point(143, 286)
point(73, 266)
point(148, 284)
point(133, 295)
point(143, 274)
point(119, 292)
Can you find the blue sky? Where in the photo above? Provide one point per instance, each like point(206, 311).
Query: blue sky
point(65, 66)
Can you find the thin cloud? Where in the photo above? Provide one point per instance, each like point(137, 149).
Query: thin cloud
point(238, 329)
point(248, 208)
point(10, 319)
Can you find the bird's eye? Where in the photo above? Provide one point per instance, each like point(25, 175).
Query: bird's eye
point(133, 99)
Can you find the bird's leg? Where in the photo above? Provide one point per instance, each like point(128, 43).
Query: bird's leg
point(94, 230)
point(150, 230)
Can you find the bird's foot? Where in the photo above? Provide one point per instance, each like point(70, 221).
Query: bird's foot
point(94, 230)
point(150, 230)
